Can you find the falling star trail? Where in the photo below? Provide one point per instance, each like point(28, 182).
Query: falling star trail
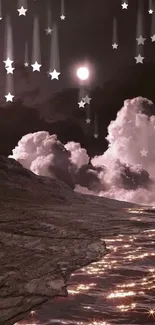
point(96, 131)
point(22, 3)
point(26, 52)
point(62, 8)
point(88, 112)
point(8, 46)
point(150, 4)
point(8, 54)
point(54, 52)
point(36, 53)
point(0, 9)
point(49, 15)
point(152, 24)
point(82, 91)
point(114, 36)
point(140, 31)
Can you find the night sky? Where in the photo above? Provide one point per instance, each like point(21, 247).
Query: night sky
point(84, 37)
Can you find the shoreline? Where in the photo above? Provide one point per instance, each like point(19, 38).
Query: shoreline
point(46, 233)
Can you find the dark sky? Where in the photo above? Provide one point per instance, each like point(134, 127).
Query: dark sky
point(86, 34)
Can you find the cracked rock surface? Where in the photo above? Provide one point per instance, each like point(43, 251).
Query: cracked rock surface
point(46, 232)
point(40, 242)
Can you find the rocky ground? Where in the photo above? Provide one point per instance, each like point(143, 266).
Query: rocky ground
point(46, 232)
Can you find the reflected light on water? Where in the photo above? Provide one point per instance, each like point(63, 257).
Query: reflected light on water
point(120, 283)
point(122, 255)
point(120, 294)
point(94, 323)
point(152, 312)
point(80, 288)
point(125, 308)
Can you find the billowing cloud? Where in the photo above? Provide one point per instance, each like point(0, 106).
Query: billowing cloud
point(125, 171)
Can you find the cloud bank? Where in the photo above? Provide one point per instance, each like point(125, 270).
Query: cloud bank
point(125, 171)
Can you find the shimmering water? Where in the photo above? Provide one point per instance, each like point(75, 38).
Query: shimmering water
point(120, 289)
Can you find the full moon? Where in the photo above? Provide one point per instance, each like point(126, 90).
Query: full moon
point(82, 73)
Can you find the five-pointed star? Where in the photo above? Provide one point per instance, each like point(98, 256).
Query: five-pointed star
point(86, 99)
point(22, 11)
point(48, 30)
point(54, 74)
point(81, 104)
point(115, 46)
point(36, 66)
point(9, 97)
point(88, 120)
point(144, 152)
point(150, 11)
point(140, 40)
point(124, 5)
point(95, 135)
point(139, 59)
point(62, 17)
point(8, 63)
point(10, 69)
point(153, 38)
point(26, 64)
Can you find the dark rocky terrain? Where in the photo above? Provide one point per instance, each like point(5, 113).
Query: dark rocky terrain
point(46, 232)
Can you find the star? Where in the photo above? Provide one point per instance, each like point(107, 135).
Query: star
point(86, 99)
point(153, 38)
point(10, 69)
point(8, 63)
point(144, 153)
point(9, 97)
point(22, 11)
point(48, 31)
point(140, 40)
point(114, 46)
point(0, 18)
point(124, 5)
point(150, 11)
point(54, 74)
point(95, 135)
point(81, 104)
point(36, 66)
point(88, 120)
point(26, 64)
point(62, 17)
point(139, 59)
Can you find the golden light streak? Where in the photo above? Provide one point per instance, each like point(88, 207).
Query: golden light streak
point(120, 294)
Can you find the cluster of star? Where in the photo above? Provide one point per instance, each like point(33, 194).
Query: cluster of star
point(53, 73)
point(125, 6)
point(22, 12)
point(83, 103)
point(9, 69)
point(85, 100)
point(140, 40)
point(83, 74)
